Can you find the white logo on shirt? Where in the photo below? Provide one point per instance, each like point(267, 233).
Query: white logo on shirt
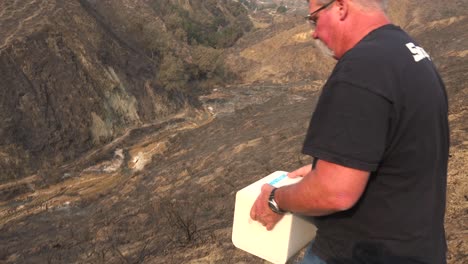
point(418, 52)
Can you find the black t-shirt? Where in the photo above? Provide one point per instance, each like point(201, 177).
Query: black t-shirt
point(384, 110)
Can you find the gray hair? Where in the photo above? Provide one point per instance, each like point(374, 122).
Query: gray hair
point(366, 4)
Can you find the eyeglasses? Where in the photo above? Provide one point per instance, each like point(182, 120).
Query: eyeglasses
point(312, 17)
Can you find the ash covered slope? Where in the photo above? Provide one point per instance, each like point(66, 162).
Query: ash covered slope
point(68, 83)
point(75, 74)
point(179, 208)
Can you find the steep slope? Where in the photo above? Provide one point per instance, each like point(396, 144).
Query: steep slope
point(76, 74)
point(69, 84)
point(279, 50)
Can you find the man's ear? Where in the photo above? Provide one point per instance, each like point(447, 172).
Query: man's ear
point(342, 8)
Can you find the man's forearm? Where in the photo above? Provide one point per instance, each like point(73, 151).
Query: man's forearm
point(327, 189)
point(306, 197)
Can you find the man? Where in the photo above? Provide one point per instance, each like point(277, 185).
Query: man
point(379, 137)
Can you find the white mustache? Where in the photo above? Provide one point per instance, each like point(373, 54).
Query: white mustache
point(323, 48)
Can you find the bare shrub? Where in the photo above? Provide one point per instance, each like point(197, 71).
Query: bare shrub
point(181, 220)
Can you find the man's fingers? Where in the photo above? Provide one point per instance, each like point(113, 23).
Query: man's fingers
point(293, 175)
point(253, 214)
point(270, 226)
point(266, 187)
point(301, 172)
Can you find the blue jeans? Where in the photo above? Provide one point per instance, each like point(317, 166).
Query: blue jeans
point(310, 257)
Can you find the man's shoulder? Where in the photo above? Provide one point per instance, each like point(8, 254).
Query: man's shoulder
point(376, 62)
point(384, 44)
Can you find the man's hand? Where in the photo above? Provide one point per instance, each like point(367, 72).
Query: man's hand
point(301, 172)
point(261, 212)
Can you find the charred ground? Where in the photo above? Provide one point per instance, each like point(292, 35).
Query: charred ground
point(163, 191)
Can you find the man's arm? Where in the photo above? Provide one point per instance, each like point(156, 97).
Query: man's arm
point(327, 189)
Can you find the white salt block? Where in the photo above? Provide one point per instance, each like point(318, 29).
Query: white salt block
point(290, 234)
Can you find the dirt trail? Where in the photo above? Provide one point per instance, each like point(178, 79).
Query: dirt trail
point(88, 170)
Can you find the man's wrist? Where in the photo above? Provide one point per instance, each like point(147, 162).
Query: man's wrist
point(272, 203)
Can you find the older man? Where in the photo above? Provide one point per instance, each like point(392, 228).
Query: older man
point(379, 137)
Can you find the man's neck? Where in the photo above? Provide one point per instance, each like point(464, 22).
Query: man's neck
point(360, 25)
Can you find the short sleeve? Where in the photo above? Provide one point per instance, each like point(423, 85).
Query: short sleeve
point(349, 127)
